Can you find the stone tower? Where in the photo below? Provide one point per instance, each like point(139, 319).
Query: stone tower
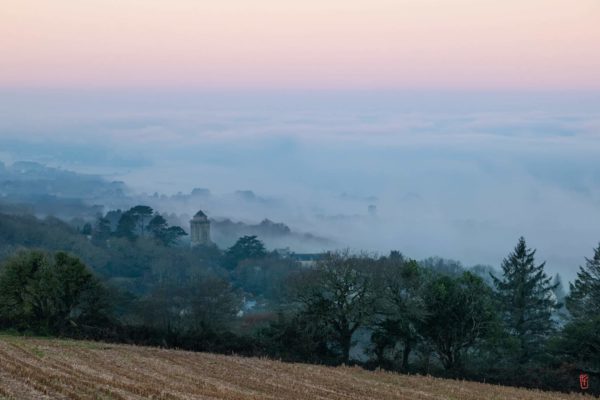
point(200, 230)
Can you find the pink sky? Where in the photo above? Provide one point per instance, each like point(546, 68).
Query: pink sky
point(304, 44)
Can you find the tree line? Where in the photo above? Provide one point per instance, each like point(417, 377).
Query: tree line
point(508, 326)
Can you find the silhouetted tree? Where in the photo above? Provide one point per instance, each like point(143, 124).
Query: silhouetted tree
point(141, 214)
point(172, 234)
point(579, 342)
point(246, 247)
point(102, 230)
point(459, 312)
point(161, 231)
point(126, 226)
point(583, 301)
point(50, 294)
point(527, 300)
point(401, 305)
point(157, 225)
point(338, 295)
point(213, 303)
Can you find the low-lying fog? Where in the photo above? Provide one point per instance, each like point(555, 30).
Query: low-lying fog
point(456, 175)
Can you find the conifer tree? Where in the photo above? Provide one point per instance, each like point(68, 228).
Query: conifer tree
point(101, 231)
point(126, 226)
point(140, 215)
point(584, 300)
point(157, 226)
point(527, 301)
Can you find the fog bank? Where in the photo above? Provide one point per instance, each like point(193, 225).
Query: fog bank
point(459, 175)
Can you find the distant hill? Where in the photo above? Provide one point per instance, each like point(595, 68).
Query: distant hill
point(275, 234)
point(35, 188)
point(31, 188)
point(65, 369)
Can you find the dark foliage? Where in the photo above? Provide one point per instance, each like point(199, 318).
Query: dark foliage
point(246, 248)
point(584, 298)
point(50, 294)
point(526, 299)
point(127, 278)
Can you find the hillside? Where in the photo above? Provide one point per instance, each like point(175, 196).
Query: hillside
point(62, 369)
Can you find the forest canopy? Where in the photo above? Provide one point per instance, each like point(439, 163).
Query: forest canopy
point(124, 278)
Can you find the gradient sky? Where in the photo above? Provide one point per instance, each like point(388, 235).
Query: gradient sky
point(308, 44)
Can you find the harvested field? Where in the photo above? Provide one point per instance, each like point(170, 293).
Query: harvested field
point(32, 368)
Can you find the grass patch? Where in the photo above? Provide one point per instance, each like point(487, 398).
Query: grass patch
point(38, 352)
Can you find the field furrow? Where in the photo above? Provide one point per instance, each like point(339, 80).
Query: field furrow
point(32, 368)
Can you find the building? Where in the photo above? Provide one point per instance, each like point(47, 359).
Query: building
point(200, 230)
point(307, 260)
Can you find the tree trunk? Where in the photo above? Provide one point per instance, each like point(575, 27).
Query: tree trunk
point(345, 344)
point(405, 354)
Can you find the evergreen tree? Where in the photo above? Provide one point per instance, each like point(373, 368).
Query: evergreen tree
point(161, 231)
point(141, 214)
point(579, 342)
point(126, 226)
point(101, 231)
point(246, 247)
point(172, 234)
point(584, 300)
point(527, 301)
point(50, 294)
point(157, 225)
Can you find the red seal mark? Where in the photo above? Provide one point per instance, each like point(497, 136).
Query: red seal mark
point(584, 381)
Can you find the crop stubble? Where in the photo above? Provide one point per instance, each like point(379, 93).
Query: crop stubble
point(32, 368)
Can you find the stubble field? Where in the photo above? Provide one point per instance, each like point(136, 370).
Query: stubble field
point(32, 368)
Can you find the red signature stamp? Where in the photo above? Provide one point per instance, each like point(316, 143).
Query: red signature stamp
point(584, 381)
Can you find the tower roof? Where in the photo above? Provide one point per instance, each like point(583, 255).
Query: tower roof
point(200, 216)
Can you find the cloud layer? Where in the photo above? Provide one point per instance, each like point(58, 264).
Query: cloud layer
point(455, 175)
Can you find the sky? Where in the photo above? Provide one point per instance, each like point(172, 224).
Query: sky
point(468, 123)
point(309, 44)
